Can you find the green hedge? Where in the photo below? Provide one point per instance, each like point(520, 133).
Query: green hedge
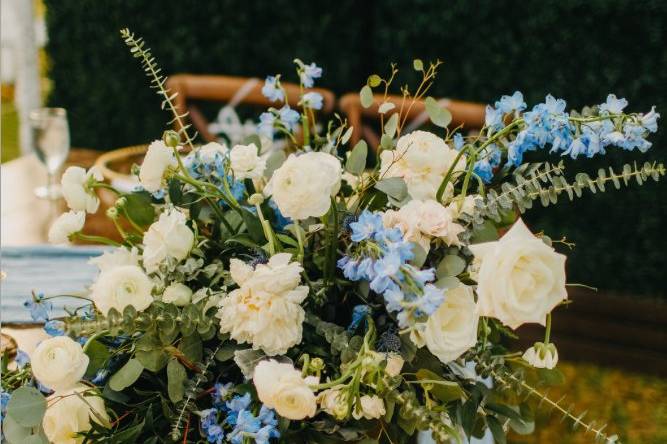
point(579, 50)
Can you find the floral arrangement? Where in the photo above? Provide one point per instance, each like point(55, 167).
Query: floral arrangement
point(320, 293)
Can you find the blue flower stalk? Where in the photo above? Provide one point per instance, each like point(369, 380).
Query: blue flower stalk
point(380, 256)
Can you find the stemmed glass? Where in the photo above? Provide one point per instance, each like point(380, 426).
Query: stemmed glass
point(50, 140)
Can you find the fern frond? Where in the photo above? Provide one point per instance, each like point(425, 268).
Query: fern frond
point(157, 82)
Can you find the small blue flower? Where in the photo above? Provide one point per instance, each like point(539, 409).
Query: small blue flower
point(458, 141)
point(634, 138)
point(309, 73)
point(312, 100)
point(650, 120)
point(432, 298)
point(22, 359)
point(359, 313)
point(220, 392)
point(239, 403)
point(493, 118)
point(246, 423)
point(266, 124)
point(267, 416)
point(613, 105)
point(271, 89)
point(4, 400)
point(393, 299)
point(265, 434)
point(367, 225)
point(288, 117)
point(54, 328)
point(100, 377)
point(508, 104)
point(280, 221)
point(40, 309)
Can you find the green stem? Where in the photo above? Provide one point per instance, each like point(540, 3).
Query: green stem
point(547, 333)
point(95, 239)
point(104, 186)
point(306, 128)
point(92, 338)
point(299, 239)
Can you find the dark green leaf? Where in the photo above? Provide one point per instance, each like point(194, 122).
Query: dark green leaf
point(176, 376)
point(191, 347)
point(98, 354)
point(254, 226)
point(139, 208)
point(496, 430)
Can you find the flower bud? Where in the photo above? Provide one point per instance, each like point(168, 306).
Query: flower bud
point(542, 355)
point(171, 138)
point(256, 199)
point(317, 364)
point(112, 213)
point(121, 202)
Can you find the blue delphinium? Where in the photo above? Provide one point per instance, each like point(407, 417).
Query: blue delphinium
point(359, 313)
point(509, 104)
point(458, 141)
point(54, 328)
point(22, 359)
point(309, 73)
point(40, 308)
point(289, 117)
point(380, 256)
point(267, 122)
point(211, 168)
point(4, 400)
point(271, 89)
point(312, 100)
point(493, 118)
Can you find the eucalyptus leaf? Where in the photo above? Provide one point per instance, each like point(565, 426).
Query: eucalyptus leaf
point(126, 375)
point(374, 80)
point(226, 352)
point(418, 65)
point(253, 139)
point(247, 360)
point(26, 406)
point(14, 432)
point(347, 135)
point(176, 376)
point(385, 107)
point(274, 161)
point(391, 125)
point(98, 354)
point(394, 187)
point(191, 347)
point(356, 163)
point(439, 116)
point(450, 265)
point(445, 391)
point(366, 96)
point(387, 142)
point(420, 255)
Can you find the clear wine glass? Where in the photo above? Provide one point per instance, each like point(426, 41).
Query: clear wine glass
point(50, 140)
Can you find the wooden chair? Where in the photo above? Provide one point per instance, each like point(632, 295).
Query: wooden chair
point(226, 89)
point(468, 114)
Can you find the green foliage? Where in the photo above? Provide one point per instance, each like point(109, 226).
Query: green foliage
point(26, 407)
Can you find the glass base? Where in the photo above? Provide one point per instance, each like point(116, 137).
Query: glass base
point(52, 192)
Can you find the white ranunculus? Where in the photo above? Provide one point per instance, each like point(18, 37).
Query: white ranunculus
point(67, 414)
point(519, 279)
point(116, 258)
point(122, 286)
point(542, 355)
point(421, 221)
point(158, 158)
point(265, 311)
point(177, 294)
point(422, 159)
point(66, 225)
point(208, 152)
point(281, 387)
point(452, 329)
point(303, 185)
point(169, 237)
point(76, 188)
point(246, 163)
point(370, 407)
point(59, 363)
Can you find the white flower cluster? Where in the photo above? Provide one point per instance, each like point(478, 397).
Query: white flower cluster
point(265, 310)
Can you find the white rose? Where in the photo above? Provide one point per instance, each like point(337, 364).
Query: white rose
point(68, 414)
point(541, 355)
point(467, 207)
point(76, 189)
point(208, 152)
point(66, 225)
point(122, 286)
point(59, 363)
point(281, 387)
point(452, 329)
point(116, 258)
point(421, 221)
point(394, 364)
point(246, 163)
point(371, 407)
point(303, 185)
point(169, 237)
point(422, 159)
point(520, 279)
point(158, 158)
point(177, 294)
point(265, 311)
point(333, 402)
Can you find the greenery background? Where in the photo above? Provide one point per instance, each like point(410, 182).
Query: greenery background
point(576, 49)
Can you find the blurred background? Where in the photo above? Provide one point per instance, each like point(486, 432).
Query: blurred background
point(68, 53)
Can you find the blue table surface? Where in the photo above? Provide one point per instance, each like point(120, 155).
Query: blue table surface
point(46, 269)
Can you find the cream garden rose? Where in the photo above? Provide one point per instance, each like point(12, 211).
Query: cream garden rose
point(281, 387)
point(422, 221)
point(59, 363)
point(246, 162)
point(66, 225)
point(67, 414)
point(77, 190)
point(121, 286)
point(169, 237)
point(369, 407)
point(265, 311)
point(158, 158)
point(452, 329)
point(177, 294)
point(520, 279)
point(422, 159)
point(303, 185)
